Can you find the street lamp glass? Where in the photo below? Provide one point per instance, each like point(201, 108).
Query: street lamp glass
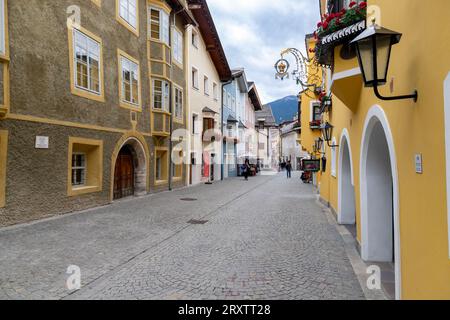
point(319, 144)
point(373, 47)
point(327, 131)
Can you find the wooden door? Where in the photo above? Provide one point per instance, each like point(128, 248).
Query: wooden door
point(124, 175)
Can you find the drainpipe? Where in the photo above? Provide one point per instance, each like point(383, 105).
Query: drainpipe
point(171, 173)
point(224, 84)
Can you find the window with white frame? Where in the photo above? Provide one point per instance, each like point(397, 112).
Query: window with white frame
point(78, 169)
point(128, 12)
point(159, 25)
point(195, 39)
point(333, 159)
point(195, 78)
point(206, 85)
point(316, 114)
point(87, 62)
point(2, 28)
point(130, 81)
point(161, 95)
point(178, 103)
point(215, 91)
point(177, 46)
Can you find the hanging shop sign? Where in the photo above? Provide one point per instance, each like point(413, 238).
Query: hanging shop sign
point(311, 165)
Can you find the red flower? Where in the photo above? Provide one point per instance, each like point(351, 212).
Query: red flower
point(319, 24)
point(352, 4)
point(363, 5)
point(325, 25)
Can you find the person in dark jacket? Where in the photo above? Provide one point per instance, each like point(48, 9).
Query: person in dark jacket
point(246, 169)
point(289, 169)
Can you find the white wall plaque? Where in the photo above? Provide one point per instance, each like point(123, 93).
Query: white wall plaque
point(419, 164)
point(41, 142)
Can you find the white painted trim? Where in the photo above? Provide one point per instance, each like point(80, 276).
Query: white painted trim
point(346, 74)
point(447, 148)
point(333, 158)
point(375, 114)
point(346, 135)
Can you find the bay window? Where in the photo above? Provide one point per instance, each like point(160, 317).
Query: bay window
point(161, 95)
point(159, 25)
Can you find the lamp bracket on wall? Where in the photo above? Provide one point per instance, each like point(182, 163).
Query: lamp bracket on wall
point(414, 96)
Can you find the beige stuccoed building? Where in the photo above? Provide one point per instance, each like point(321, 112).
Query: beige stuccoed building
point(207, 70)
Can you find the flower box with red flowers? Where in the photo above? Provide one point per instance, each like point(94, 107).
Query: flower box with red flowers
point(338, 28)
point(346, 17)
point(315, 124)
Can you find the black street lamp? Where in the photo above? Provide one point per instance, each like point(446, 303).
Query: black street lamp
point(373, 48)
point(327, 133)
point(318, 145)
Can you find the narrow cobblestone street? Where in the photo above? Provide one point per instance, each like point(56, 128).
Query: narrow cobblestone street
point(264, 239)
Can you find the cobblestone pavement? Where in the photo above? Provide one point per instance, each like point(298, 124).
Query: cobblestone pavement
point(264, 239)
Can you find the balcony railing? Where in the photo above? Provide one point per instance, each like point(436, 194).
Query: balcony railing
point(339, 27)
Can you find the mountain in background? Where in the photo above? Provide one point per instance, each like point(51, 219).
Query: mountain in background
point(285, 109)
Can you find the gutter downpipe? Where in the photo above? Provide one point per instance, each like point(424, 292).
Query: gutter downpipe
point(224, 84)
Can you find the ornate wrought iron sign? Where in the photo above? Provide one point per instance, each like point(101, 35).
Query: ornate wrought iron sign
point(282, 67)
point(308, 74)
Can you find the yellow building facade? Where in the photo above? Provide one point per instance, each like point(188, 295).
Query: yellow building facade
point(310, 106)
point(390, 171)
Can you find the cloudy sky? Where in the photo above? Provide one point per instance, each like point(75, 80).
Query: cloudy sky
point(253, 32)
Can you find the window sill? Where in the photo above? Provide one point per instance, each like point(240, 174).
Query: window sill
point(76, 191)
point(130, 106)
point(88, 95)
point(128, 26)
point(161, 182)
point(161, 111)
point(160, 42)
point(178, 120)
point(178, 64)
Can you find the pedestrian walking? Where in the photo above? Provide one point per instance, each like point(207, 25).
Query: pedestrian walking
point(289, 169)
point(246, 169)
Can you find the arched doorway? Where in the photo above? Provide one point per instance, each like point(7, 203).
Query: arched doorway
point(346, 200)
point(130, 170)
point(379, 199)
